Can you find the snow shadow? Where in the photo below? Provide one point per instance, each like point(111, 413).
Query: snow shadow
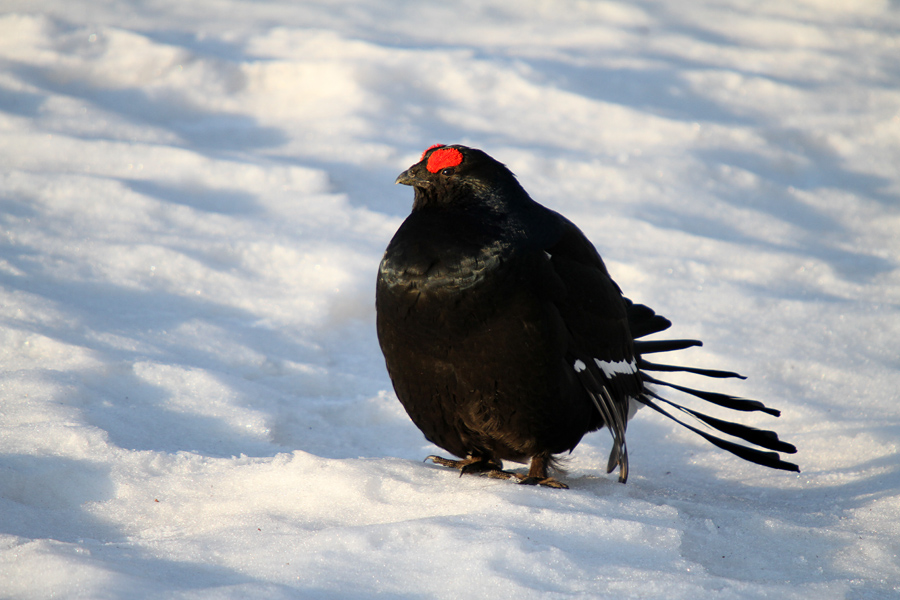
point(791, 158)
point(199, 197)
point(858, 267)
point(126, 326)
point(753, 532)
point(203, 131)
point(766, 533)
point(23, 104)
point(40, 494)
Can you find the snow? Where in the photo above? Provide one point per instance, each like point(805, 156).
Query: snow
point(195, 197)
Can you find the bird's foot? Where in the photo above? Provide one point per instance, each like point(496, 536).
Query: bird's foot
point(493, 468)
point(473, 464)
point(546, 482)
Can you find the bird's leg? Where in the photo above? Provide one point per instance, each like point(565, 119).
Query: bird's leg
point(537, 474)
point(474, 465)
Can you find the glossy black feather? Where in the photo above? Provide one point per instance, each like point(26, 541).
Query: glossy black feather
point(503, 333)
point(646, 365)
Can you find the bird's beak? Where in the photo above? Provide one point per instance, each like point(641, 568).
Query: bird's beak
point(407, 177)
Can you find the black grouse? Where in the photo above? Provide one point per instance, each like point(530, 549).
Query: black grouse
point(506, 338)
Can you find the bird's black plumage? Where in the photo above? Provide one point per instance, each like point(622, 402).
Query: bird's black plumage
point(505, 336)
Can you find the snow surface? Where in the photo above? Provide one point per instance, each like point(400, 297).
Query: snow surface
point(194, 200)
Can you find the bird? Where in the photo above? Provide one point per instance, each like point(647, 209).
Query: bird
point(506, 338)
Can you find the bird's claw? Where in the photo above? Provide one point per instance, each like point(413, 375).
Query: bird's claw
point(545, 482)
point(474, 465)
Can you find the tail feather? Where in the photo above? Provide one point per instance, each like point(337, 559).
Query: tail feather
point(760, 437)
point(644, 321)
point(645, 365)
point(653, 346)
point(766, 459)
point(724, 400)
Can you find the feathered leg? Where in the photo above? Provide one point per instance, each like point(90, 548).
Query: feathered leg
point(537, 474)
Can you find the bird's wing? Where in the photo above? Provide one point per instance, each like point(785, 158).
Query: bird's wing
point(608, 356)
point(600, 348)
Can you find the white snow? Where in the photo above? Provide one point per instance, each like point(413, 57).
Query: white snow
point(194, 199)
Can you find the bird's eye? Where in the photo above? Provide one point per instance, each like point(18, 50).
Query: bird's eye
point(448, 172)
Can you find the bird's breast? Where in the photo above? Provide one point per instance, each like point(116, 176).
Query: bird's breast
point(448, 272)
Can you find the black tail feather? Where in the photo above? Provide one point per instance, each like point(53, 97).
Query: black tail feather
point(643, 320)
point(766, 459)
point(760, 437)
point(652, 346)
point(649, 366)
point(724, 400)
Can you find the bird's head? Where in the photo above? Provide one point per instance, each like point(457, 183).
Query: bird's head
point(457, 176)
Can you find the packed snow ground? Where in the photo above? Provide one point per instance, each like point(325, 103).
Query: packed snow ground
point(195, 197)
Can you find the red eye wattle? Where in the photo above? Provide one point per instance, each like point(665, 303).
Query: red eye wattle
point(443, 158)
